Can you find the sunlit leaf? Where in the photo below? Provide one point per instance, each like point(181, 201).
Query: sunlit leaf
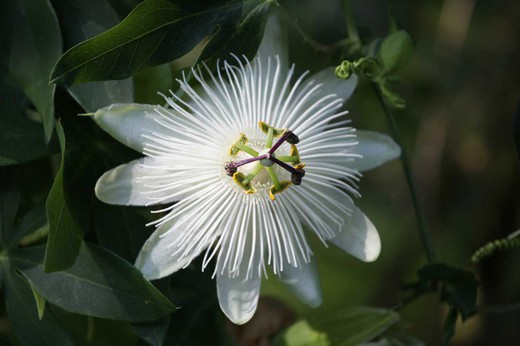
point(40, 303)
point(104, 285)
point(396, 51)
point(302, 334)
point(356, 325)
point(65, 234)
point(31, 28)
point(155, 32)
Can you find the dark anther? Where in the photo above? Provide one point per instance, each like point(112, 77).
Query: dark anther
point(297, 176)
point(231, 168)
point(292, 138)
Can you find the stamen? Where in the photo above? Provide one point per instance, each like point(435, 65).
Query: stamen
point(241, 145)
point(288, 158)
point(270, 135)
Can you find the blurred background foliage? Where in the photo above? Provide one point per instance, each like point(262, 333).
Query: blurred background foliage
point(462, 90)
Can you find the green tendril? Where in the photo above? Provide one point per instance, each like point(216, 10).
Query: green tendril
point(490, 248)
point(365, 65)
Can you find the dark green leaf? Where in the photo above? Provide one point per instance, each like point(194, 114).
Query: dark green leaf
point(449, 325)
point(80, 20)
point(23, 315)
point(13, 101)
point(32, 221)
point(242, 38)
point(31, 28)
point(516, 129)
point(356, 325)
point(21, 141)
point(9, 202)
point(153, 332)
point(396, 51)
point(151, 81)
point(459, 287)
point(155, 32)
point(120, 229)
point(65, 234)
point(103, 285)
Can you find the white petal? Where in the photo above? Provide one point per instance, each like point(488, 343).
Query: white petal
point(376, 149)
point(274, 41)
point(238, 296)
point(359, 238)
point(121, 186)
point(334, 85)
point(158, 258)
point(128, 122)
point(304, 282)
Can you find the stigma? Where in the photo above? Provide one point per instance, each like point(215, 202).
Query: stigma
point(268, 166)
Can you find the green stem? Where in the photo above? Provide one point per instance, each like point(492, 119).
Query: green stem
point(421, 221)
point(315, 44)
point(270, 135)
point(352, 32)
point(288, 158)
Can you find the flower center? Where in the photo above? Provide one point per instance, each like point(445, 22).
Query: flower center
point(252, 168)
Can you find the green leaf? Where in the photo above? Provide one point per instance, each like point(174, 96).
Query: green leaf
point(246, 34)
point(33, 221)
point(516, 129)
point(449, 325)
point(153, 332)
point(65, 234)
point(9, 203)
point(40, 303)
point(13, 101)
point(81, 20)
point(396, 51)
point(151, 81)
point(120, 229)
point(356, 325)
point(21, 141)
point(301, 334)
point(34, 41)
point(104, 286)
point(23, 315)
point(155, 32)
point(459, 287)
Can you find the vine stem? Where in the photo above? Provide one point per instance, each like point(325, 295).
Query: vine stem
point(352, 31)
point(407, 167)
point(314, 44)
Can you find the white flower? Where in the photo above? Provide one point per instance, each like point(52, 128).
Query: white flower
point(257, 217)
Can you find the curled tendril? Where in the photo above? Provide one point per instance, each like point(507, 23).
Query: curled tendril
point(367, 66)
point(499, 244)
